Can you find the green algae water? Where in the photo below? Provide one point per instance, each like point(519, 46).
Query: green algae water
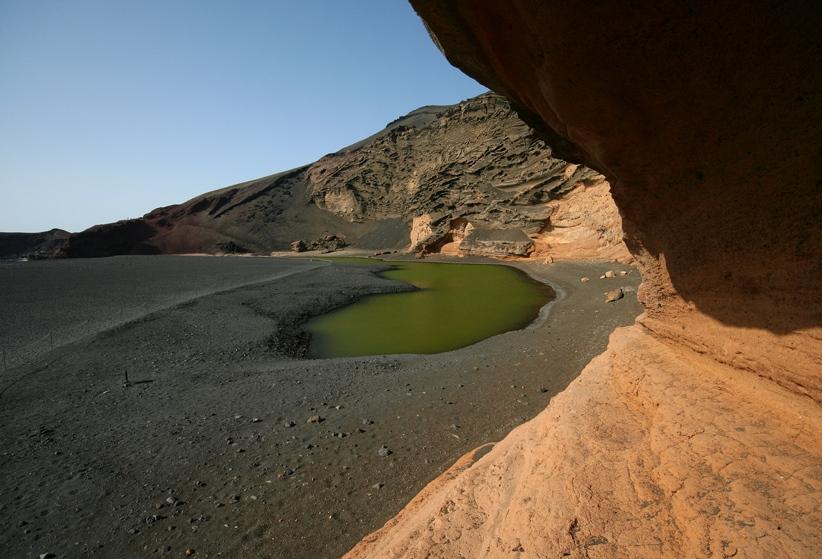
point(454, 305)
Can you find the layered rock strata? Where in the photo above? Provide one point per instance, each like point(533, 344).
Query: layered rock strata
point(416, 185)
point(696, 433)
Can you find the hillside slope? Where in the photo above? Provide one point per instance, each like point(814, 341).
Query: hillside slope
point(469, 177)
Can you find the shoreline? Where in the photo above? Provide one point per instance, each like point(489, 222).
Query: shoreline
point(219, 422)
point(379, 267)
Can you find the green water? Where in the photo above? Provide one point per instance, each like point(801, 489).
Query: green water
point(455, 305)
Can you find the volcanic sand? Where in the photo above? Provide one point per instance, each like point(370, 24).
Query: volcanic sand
point(210, 447)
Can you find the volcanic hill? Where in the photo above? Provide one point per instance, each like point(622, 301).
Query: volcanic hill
point(466, 178)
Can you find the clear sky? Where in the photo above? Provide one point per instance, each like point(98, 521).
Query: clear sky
point(110, 108)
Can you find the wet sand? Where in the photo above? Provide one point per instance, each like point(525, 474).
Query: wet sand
point(210, 448)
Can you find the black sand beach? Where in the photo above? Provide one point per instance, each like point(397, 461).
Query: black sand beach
point(216, 445)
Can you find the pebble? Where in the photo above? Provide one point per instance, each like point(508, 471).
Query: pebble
point(47, 556)
point(289, 423)
point(614, 295)
point(315, 419)
point(256, 420)
point(384, 451)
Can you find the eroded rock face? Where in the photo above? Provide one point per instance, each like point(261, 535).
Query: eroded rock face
point(414, 185)
point(473, 163)
point(693, 435)
point(496, 243)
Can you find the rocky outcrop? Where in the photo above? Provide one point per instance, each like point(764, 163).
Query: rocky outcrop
point(496, 243)
point(695, 434)
point(417, 184)
point(47, 244)
point(474, 164)
point(584, 223)
point(325, 243)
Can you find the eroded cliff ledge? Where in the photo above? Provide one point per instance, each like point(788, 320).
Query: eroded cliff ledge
point(697, 433)
point(468, 178)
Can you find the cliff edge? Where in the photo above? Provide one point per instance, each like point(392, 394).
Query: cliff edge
point(696, 433)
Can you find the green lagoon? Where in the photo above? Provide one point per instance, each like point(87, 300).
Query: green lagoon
point(454, 305)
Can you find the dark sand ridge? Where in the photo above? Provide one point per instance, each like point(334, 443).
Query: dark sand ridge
point(46, 304)
point(206, 456)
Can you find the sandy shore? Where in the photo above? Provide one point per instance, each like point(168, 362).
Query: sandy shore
point(211, 448)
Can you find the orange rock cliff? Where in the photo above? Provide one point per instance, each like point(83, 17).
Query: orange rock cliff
point(697, 432)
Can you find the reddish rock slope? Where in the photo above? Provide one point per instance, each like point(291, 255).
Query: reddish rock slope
point(697, 433)
point(474, 165)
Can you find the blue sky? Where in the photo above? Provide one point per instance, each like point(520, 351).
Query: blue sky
point(109, 109)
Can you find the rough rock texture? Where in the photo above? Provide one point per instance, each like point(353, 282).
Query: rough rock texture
point(37, 245)
point(495, 243)
point(324, 243)
point(416, 184)
point(474, 164)
point(696, 433)
point(585, 223)
point(632, 460)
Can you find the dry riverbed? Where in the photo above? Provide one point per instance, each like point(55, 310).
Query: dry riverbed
point(226, 445)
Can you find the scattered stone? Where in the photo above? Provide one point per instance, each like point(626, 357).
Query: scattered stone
point(255, 420)
point(543, 390)
point(47, 556)
point(623, 273)
point(384, 451)
point(609, 274)
point(315, 419)
point(584, 279)
point(289, 423)
point(189, 552)
point(614, 295)
point(367, 422)
point(379, 485)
